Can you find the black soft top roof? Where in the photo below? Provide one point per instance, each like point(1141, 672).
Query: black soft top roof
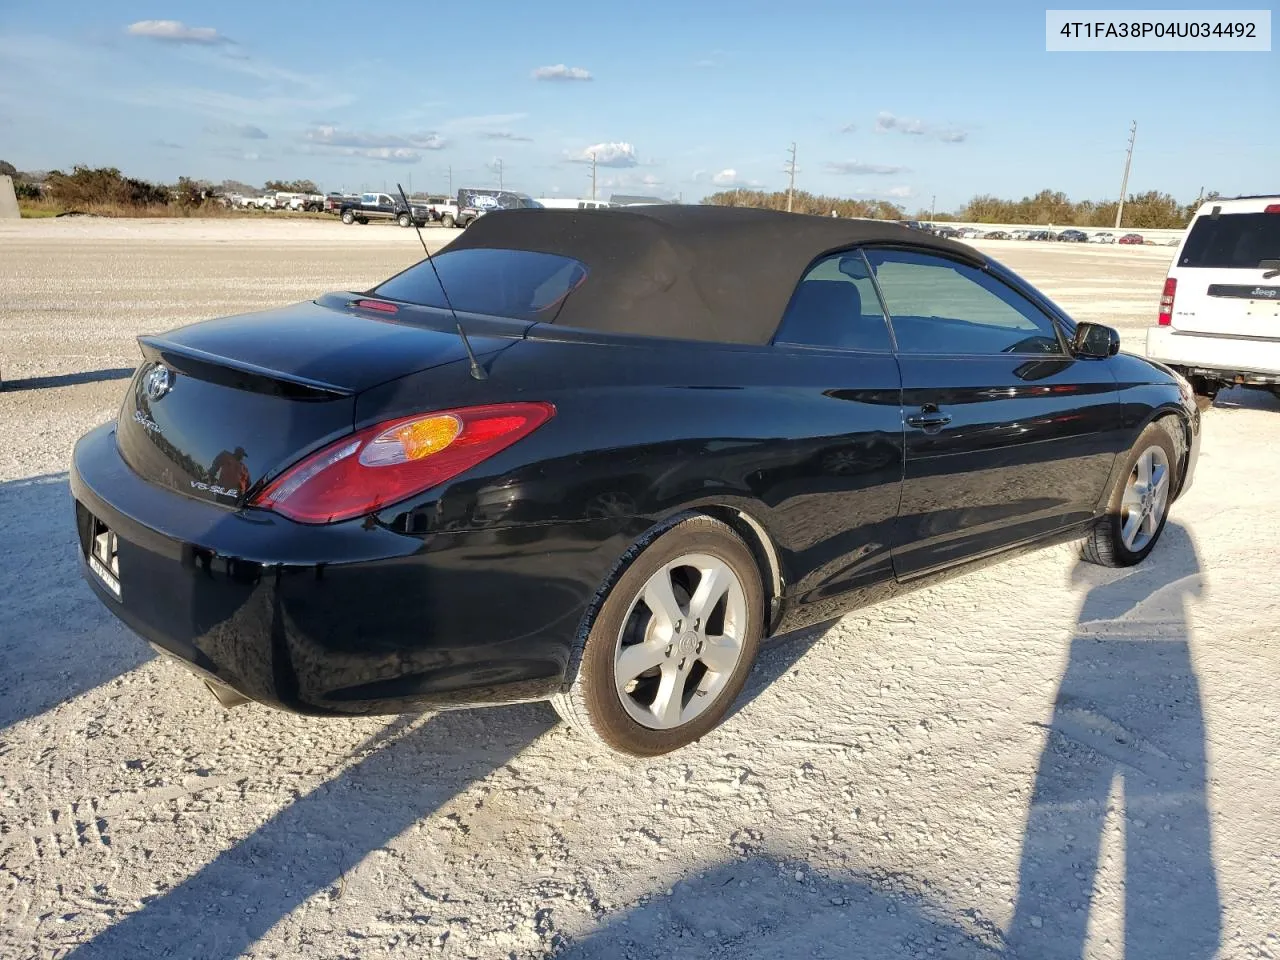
point(723, 274)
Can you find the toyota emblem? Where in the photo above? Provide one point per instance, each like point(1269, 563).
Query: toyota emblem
point(158, 382)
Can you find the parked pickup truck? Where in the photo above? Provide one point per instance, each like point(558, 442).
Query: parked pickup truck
point(381, 206)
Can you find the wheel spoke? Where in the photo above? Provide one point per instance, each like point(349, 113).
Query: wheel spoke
point(636, 659)
point(1132, 498)
point(1150, 522)
point(712, 587)
point(661, 601)
point(720, 654)
point(668, 702)
point(1160, 480)
point(1144, 470)
point(1130, 530)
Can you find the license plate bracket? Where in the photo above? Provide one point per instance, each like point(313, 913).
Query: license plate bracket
point(104, 556)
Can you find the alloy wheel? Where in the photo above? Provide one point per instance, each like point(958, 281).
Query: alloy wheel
point(1146, 498)
point(680, 642)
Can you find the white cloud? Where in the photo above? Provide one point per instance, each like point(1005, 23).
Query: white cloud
point(886, 122)
point(649, 180)
point(504, 135)
point(166, 145)
point(845, 167)
point(900, 192)
point(332, 136)
point(849, 128)
point(561, 72)
point(175, 31)
point(616, 154)
point(729, 178)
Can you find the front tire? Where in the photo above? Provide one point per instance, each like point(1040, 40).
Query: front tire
point(348, 217)
point(665, 653)
point(404, 220)
point(1139, 504)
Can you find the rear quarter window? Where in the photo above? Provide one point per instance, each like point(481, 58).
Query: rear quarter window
point(1240, 240)
point(520, 284)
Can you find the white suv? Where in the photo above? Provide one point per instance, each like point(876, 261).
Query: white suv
point(1219, 319)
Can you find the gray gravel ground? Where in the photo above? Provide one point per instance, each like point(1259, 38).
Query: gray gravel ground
point(1040, 760)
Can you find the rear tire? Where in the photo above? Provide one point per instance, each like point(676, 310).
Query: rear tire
point(1139, 504)
point(667, 646)
point(446, 220)
point(348, 217)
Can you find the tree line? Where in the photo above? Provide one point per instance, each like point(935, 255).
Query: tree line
point(1152, 210)
point(107, 187)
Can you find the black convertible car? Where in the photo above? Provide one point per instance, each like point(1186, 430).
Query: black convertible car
point(596, 456)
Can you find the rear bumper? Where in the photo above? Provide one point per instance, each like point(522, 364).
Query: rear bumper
point(346, 618)
point(1250, 360)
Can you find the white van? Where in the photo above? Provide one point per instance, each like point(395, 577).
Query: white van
point(1219, 320)
point(561, 203)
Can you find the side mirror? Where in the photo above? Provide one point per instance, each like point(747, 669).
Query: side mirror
point(1095, 341)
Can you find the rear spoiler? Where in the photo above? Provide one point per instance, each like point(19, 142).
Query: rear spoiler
point(237, 373)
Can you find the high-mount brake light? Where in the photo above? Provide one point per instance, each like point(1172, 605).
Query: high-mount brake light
point(396, 459)
point(1166, 302)
point(379, 305)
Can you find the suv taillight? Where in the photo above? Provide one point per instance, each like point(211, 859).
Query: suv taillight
point(1272, 208)
point(1166, 302)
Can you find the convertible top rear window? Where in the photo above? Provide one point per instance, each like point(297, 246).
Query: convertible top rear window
point(520, 284)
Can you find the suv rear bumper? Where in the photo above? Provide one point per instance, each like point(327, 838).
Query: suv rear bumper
point(1241, 359)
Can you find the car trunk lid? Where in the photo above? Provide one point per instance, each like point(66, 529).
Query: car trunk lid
point(217, 406)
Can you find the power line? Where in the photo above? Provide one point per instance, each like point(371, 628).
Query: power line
point(791, 182)
point(1124, 183)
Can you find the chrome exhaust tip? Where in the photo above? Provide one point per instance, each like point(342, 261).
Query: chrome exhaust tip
point(225, 695)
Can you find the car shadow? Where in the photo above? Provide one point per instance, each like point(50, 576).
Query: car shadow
point(67, 379)
point(56, 639)
point(756, 907)
point(1246, 398)
point(1127, 723)
point(396, 778)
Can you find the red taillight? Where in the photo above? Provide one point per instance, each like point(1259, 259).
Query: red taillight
point(395, 459)
point(1166, 302)
point(1272, 208)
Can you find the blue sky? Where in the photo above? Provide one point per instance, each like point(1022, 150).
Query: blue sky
point(903, 101)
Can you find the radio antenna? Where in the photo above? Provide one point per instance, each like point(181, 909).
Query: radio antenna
point(477, 371)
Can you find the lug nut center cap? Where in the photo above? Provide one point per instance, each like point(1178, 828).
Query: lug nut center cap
point(688, 643)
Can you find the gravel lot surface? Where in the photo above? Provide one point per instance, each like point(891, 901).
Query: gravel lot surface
point(1041, 759)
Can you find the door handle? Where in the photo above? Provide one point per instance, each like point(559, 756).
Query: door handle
point(930, 419)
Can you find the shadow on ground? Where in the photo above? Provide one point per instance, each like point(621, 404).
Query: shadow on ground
point(756, 908)
point(397, 777)
point(1127, 718)
point(56, 640)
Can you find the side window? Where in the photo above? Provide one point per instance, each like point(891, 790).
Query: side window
point(835, 305)
point(942, 306)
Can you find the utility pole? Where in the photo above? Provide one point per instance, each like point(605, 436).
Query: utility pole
point(451, 180)
point(791, 182)
point(593, 177)
point(1124, 184)
point(933, 204)
point(499, 159)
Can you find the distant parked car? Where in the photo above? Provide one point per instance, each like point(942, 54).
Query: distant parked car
point(1021, 235)
point(382, 206)
point(1103, 238)
point(1131, 238)
point(947, 233)
point(1073, 236)
point(1042, 235)
point(968, 233)
point(913, 224)
point(995, 235)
